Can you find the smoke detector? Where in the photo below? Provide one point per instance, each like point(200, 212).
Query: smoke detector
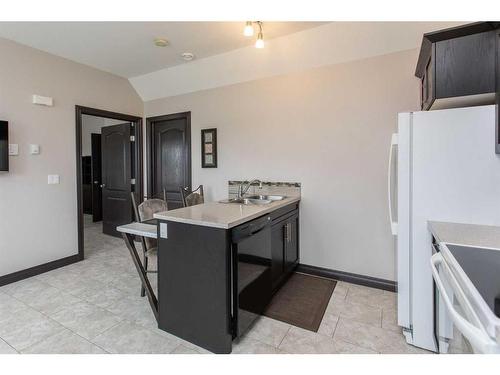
point(159, 42)
point(187, 56)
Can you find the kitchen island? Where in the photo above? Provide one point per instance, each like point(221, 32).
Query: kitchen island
point(219, 265)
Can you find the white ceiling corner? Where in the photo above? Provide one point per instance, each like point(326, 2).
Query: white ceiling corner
point(127, 49)
point(327, 44)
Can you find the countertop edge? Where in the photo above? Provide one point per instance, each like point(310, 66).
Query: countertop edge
point(473, 235)
point(285, 202)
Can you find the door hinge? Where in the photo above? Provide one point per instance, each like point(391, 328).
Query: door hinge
point(132, 138)
point(408, 331)
point(132, 181)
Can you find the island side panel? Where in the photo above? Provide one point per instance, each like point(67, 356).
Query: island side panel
point(194, 285)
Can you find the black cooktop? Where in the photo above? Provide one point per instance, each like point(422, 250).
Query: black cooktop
point(482, 266)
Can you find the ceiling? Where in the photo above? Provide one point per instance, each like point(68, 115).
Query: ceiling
point(127, 49)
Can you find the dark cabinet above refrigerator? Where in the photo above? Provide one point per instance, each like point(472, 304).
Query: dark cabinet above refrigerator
point(460, 67)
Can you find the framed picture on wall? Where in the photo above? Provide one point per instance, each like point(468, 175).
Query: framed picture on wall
point(209, 148)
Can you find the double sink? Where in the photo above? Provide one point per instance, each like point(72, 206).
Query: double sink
point(256, 199)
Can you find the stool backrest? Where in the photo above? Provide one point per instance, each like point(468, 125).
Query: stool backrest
point(150, 207)
point(192, 198)
point(145, 211)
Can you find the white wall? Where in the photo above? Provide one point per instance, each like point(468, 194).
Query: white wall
point(93, 124)
point(328, 128)
point(38, 222)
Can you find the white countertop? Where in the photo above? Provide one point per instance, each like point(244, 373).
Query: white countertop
point(222, 215)
point(139, 229)
point(474, 235)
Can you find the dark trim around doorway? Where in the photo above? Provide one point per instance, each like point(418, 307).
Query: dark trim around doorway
point(137, 121)
point(149, 149)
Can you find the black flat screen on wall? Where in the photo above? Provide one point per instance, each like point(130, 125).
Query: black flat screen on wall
point(4, 146)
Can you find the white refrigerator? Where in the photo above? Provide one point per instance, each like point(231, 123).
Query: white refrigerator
point(442, 167)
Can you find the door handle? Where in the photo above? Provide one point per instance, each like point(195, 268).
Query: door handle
point(103, 185)
point(394, 225)
point(288, 236)
point(96, 182)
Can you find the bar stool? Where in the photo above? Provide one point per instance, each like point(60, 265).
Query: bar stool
point(143, 212)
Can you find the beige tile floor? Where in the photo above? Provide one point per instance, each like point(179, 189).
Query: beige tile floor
point(94, 307)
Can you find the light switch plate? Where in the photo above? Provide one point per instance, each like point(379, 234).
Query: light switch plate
point(43, 100)
point(53, 179)
point(34, 149)
point(163, 230)
point(13, 149)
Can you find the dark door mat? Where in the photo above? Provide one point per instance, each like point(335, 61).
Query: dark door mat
point(302, 301)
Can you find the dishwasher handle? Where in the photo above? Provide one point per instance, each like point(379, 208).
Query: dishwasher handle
point(250, 229)
point(257, 229)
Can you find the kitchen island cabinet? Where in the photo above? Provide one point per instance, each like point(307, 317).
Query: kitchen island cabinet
point(216, 267)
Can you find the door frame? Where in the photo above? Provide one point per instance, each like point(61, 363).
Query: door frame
point(149, 146)
point(95, 139)
point(139, 178)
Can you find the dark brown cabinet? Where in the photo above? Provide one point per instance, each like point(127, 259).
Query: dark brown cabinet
point(465, 65)
point(284, 244)
point(460, 67)
point(456, 63)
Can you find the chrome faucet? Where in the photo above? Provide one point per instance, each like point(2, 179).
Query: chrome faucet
point(243, 188)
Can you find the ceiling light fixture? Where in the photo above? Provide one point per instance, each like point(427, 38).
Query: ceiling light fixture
point(159, 42)
point(187, 56)
point(249, 31)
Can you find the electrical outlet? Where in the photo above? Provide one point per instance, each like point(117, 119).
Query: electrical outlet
point(34, 149)
point(163, 230)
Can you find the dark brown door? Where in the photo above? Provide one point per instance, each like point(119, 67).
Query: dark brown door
point(96, 177)
point(170, 164)
point(116, 177)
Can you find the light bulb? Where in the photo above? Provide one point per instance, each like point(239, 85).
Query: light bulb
point(259, 43)
point(248, 30)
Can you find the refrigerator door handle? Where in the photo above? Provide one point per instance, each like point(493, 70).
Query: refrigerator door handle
point(394, 143)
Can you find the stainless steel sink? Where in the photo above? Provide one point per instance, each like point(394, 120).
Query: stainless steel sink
point(271, 198)
point(255, 199)
point(247, 201)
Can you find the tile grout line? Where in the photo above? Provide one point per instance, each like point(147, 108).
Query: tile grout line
point(64, 327)
point(47, 317)
point(335, 329)
point(17, 351)
point(93, 343)
point(358, 345)
point(107, 329)
point(283, 339)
